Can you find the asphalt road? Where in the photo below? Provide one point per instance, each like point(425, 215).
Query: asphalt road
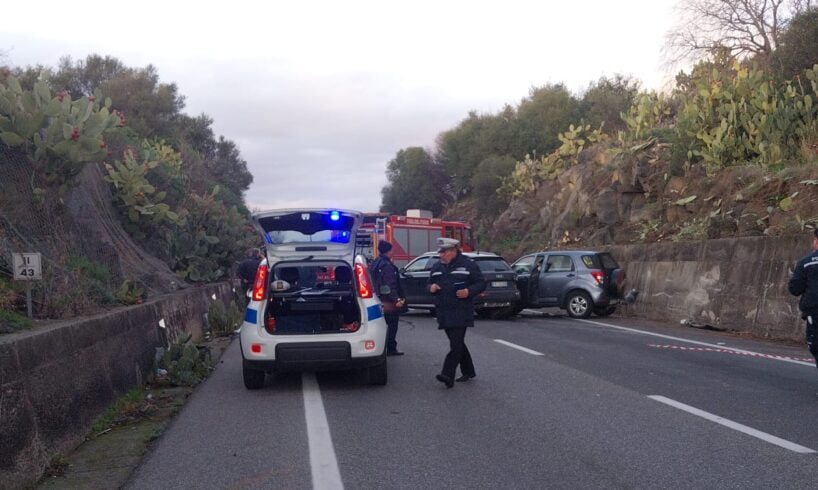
point(572, 409)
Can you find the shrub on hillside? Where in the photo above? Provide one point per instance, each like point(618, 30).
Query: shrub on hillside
point(487, 180)
point(208, 239)
point(797, 48)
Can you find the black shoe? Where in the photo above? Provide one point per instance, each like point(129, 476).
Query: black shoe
point(445, 380)
point(465, 378)
point(394, 353)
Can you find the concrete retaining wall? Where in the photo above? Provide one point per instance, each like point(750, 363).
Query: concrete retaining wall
point(55, 381)
point(739, 283)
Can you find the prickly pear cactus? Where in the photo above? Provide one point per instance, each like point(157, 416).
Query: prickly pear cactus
point(60, 134)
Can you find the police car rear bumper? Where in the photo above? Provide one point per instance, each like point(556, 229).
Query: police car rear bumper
point(313, 356)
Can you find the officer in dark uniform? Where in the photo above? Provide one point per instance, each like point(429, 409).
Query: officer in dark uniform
point(804, 283)
point(388, 287)
point(455, 281)
point(248, 268)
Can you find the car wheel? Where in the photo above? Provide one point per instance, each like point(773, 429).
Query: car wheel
point(253, 378)
point(604, 311)
point(377, 374)
point(579, 305)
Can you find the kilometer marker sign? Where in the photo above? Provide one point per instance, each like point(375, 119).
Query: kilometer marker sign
point(27, 266)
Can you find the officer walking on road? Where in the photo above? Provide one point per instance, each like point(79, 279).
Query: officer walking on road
point(387, 286)
point(804, 283)
point(455, 281)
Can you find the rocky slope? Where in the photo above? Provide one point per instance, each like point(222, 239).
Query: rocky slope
point(605, 197)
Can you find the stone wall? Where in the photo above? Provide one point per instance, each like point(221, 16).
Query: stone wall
point(55, 380)
point(738, 283)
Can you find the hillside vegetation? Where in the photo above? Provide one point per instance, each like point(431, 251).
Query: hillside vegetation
point(123, 193)
point(731, 150)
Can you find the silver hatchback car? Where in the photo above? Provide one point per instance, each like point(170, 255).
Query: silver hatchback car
point(581, 282)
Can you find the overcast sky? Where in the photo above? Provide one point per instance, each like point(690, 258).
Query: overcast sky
point(321, 95)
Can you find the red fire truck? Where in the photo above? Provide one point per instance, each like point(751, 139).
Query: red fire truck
point(411, 235)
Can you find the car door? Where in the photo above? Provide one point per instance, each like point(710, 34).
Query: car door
point(558, 270)
point(522, 268)
point(413, 279)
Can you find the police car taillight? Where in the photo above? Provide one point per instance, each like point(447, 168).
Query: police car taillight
point(260, 284)
point(599, 276)
point(364, 284)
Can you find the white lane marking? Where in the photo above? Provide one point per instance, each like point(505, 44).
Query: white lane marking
point(519, 347)
point(323, 463)
point(706, 344)
point(734, 425)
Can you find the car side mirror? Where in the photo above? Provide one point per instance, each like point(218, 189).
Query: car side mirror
point(402, 271)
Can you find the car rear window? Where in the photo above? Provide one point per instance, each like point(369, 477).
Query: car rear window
point(492, 265)
point(600, 261)
point(315, 275)
point(608, 262)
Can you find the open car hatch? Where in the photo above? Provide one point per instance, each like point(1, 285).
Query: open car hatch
point(308, 232)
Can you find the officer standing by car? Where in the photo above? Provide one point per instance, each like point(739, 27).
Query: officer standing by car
point(247, 270)
point(385, 277)
point(804, 283)
point(455, 281)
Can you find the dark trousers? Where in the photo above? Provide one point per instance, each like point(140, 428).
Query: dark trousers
point(458, 354)
point(392, 320)
point(812, 336)
point(243, 300)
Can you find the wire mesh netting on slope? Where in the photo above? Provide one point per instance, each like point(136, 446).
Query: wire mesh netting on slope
point(86, 254)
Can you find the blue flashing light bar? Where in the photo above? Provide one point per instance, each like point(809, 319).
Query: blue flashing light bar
point(335, 216)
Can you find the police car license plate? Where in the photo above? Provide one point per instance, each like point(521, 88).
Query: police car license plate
point(499, 284)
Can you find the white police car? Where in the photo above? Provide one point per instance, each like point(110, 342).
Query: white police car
point(312, 305)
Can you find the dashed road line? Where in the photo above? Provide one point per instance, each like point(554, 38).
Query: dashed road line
point(519, 347)
point(734, 425)
point(323, 463)
point(696, 342)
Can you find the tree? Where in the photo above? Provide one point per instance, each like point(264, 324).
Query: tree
point(84, 76)
point(531, 128)
point(487, 179)
point(228, 167)
point(798, 46)
point(606, 99)
point(198, 133)
point(414, 180)
point(541, 116)
point(748, 28)
point(461, 149)
point(152, 109)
